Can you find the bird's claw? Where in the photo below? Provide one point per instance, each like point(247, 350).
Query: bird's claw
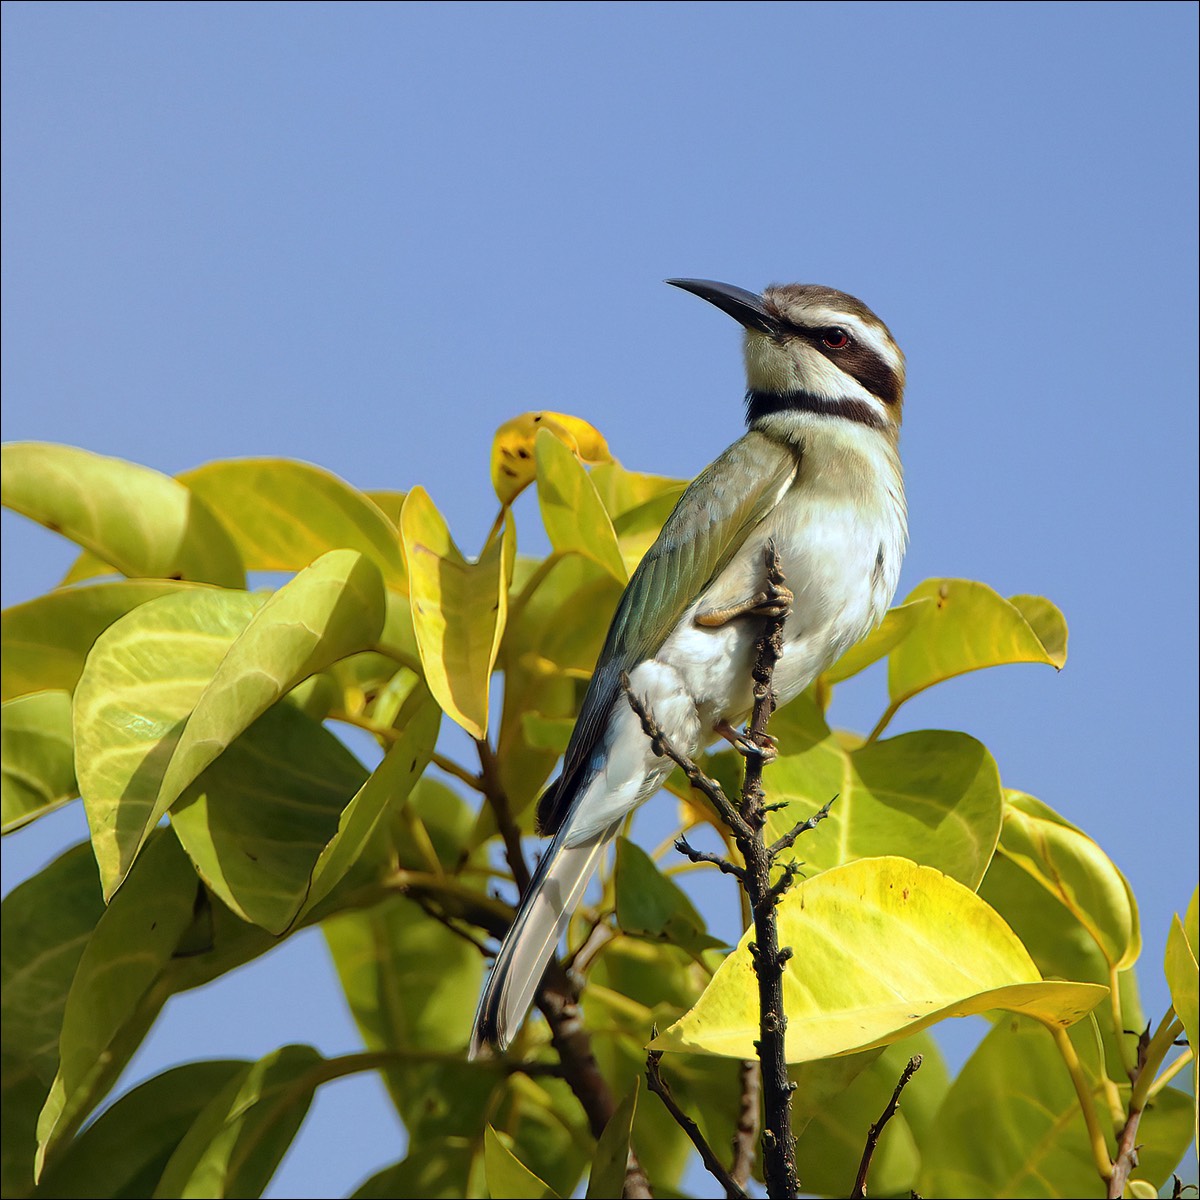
point(762, 746)
point(776, 601)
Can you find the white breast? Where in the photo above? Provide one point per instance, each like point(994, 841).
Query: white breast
point(840, 531)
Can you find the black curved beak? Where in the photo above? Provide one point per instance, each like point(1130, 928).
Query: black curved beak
point(744, 307)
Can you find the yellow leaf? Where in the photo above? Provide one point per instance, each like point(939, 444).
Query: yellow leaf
point(896, 625)
point(881, 948)
point(513, 464)
point(967, 627)
point(459, 609)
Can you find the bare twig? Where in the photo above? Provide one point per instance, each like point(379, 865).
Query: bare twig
point(873, 1134)
point(658, 1086)
point(789, 839)
point(745, 1135)
point(703, 856)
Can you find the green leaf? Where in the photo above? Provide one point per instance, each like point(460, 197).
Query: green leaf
point(932, 796)
point(1069, 865)
point(507, 1175)
point(571, 510)
point(143, 678)
point(896, 625)
point(44, 925)
point(141, 522)
point(612, 1151)
point(446, 1170)
point(47, 639)
point(832, 1143)
point(256, 822)
point(622, 491)
point(1181, 970)
point(968, 627)
point(122, 1155)
point(37, 757)
point(882, 948)
point(283, 515)
point(112, 1002)
point(235, 1144)
point(650, 904)
point(459, 609)
point(1016, 1087)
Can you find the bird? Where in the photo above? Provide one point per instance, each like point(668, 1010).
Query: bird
point(818, 475)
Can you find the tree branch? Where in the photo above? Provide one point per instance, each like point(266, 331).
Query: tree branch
point(873, 1134)
point(658, 1085)
point(745, 1135)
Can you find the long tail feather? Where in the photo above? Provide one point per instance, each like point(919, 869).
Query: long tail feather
point(554, 893)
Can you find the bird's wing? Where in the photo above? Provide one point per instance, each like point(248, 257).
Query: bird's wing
point(703, 532)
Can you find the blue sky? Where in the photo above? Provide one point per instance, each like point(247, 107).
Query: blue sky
point(365, 235)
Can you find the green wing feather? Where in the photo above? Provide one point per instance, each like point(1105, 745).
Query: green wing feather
point(700, 537)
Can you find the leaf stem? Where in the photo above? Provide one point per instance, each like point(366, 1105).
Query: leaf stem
point(1083, 1091)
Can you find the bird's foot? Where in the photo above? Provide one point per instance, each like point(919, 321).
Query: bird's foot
point(773, 602)
point(763, 746)
point(776, 602)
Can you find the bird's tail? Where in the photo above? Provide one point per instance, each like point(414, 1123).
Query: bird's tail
point(554, 893)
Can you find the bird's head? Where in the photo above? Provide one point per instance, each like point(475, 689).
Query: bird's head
point(812, 349)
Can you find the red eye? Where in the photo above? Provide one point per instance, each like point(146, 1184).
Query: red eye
point(836, 339)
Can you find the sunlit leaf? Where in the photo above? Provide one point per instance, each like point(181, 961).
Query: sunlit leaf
point(575, 519)
point(1068, 864)
point(240, 1136)
point(388, 502)
point(47, 639)
point(112, 1003)
point(933, 796)
point(37, 757)
point(283, 514)
point(882, 948)
point(143, 678)
point(513, 466)
point(623, 492)
point(1181, 970)
point(124, 1152)
point(459, 609)
point(896, 625)
point(507, 1175)
point(607, 1178)
point(139, 521)
point(967, 627)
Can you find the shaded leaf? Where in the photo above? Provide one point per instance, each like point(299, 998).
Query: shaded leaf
point(242, 1133)
point(112, 1002)
point(882, 948)
point(932, 796)
point(607, 1178)
point(283, 515)
point(122, 1155)
point(47, 639)
point(37, 757)
point(571, 510)
point(650, 904)
point(967, 627)
point(513, 467)
point(459, 609)
point(507, 1176)
point(139, 521)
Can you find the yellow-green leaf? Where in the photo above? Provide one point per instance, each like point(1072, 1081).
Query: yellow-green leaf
point(507, 1175)
point(881, 948)
point(47, 639)
point(968, 626)
point(896, 625)
point(142, 680)
point(513, 466)
point(141, 522)
point(240, 1136)
point(37, 757)
point(1181, 970)
point(571, 510)
point(1069, 865)
point(933, 796)
point(612, 1150)
point(112, 1004)
point(653, 906)
point(283, 514)
point(459, 609)
point(624, 491)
